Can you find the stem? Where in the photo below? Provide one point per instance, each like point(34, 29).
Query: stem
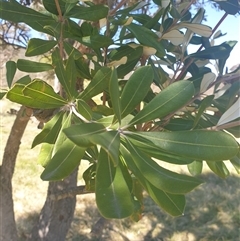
point(224, 126)
point(112, 12)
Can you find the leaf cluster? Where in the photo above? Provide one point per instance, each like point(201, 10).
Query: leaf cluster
point(134, 126)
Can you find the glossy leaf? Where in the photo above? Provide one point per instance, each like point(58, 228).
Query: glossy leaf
point(167, 101)
point(50, 6)
point(136, 89)
point(39, 46)
point(146, 37)
point(67, 76)
point(115, 95)
point(64, 162)
point(84, 109)
point(179, 124)
point(113, 197)
point(174, 36)
point(219, 168)
point(195, 168)
point(45, 154)
point(43, 93)
point(197, 144)
point(32, 66)
point(160, 177)
point(96, 41)
point(50, 130)
point(197, 28)
point(173, 204)
point(110, 142)
point(98, 84)
point(231, 114)
point(92, 13)
point(11, 70)
point(81, 134)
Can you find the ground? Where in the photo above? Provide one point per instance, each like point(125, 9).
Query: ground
point(212, 211)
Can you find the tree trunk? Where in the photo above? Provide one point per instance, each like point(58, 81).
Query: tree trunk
point(8, 230)
point(56, 215)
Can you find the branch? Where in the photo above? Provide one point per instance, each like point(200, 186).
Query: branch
point(112, 12)
point(224, 126)
point(70, 192)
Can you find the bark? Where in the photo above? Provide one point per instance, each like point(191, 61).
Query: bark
point(56, 215)
point(8, 230)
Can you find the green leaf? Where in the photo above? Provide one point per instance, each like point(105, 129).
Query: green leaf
point(160, 177)
point(196, 144)
point(84, 109)
point(136, 89)
point(206, 102)
point(115, 95)
point(32, 66)
point(81, 134)
point(83, 68)
point(113, 197)
point(167, 101)
point(155, 152)
point(179, 124)
point(11, 70)
point(214, 52)
point(98, 84)
point(110, 142)
point(50, 6)
point(96, 41)
point(92, 13)
point(45, 154)
point(197, 28)
point(229, 6)
point(89, 177)
point(63, 163)
point(43, 93)
point(219, 168)
point(65, 77)
point(39, 46)
point(173, 204)
point(236, 163)
point(2, 94)
point(195, 168)
point(146, 37)
point(50, 130)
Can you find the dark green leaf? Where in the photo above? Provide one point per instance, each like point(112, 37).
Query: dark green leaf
point(92, 13)
point(2, 94)
point(42, 92)
point(178, 124)
point(113, 197)
point(146, 37)
point(236, 162)
point(115, 95)
point(89, 177)
point(39, 46)
point(84, 109)
point(50, 5)
point(50, 130)
point(219, 168)
point(136, 89)
point(197, 144)
point(66, 77)
point(167, 101)
point(98, 84)
point(110, 142)
point(45, 154)
point(81, 134)
point(63, 163)
point(96, 41)
point(32, 66)
point(11, 70)
point(160, 177)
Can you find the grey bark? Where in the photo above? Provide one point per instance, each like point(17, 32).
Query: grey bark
point(8, 230)
point(56, 215)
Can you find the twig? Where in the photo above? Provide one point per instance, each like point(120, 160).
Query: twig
point(224, 126)
point(70, 192)
point(113, 11)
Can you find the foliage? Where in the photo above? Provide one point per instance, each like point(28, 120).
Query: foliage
point(134, 126)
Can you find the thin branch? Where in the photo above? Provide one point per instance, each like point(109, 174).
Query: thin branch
point(113, 11)
point(70, 192)
point(224, 126)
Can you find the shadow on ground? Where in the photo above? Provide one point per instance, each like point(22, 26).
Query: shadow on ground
point(212, 213)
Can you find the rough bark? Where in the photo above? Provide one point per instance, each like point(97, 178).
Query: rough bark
point(8, 230)
point(56, 215)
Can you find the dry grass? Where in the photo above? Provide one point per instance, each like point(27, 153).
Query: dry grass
point(212, 211)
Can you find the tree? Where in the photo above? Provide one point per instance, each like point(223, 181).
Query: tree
point(120, 123)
